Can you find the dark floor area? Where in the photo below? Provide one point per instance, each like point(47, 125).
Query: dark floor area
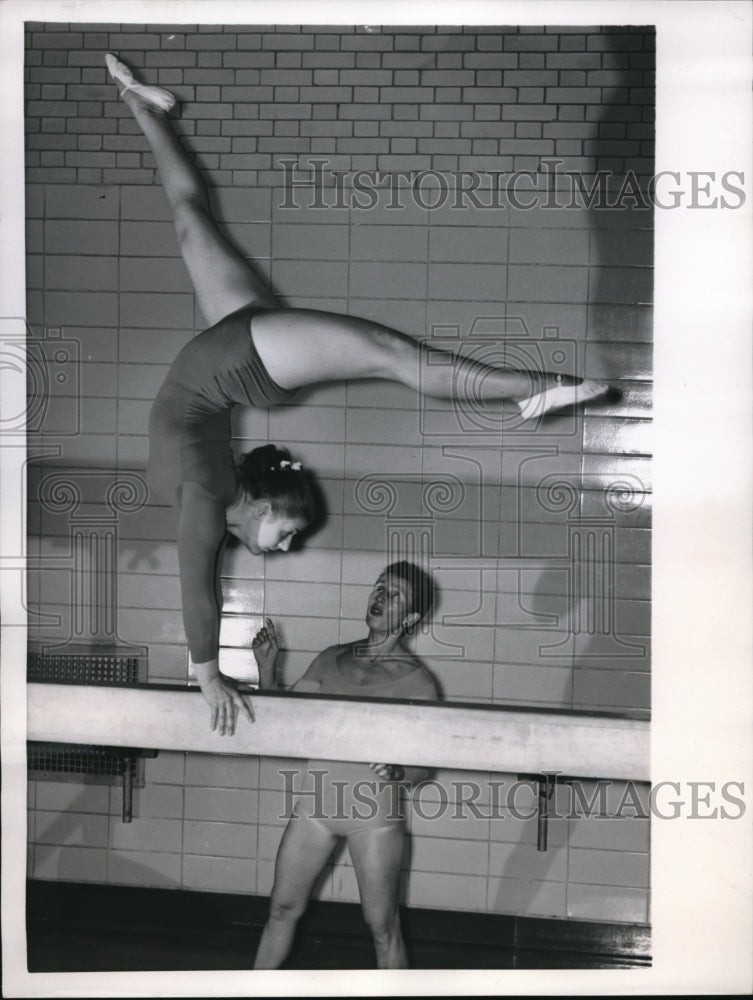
point(87, 928)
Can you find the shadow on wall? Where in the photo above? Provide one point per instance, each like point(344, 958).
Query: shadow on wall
point(74, 831)
point(598, 630)
point(622, 217)
point(600, 594)
point(530, 882)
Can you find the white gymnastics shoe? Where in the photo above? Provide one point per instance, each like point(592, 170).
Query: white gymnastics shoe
point(155, 97)
point(559, 395)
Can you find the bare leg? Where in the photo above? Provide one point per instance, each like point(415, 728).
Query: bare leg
point(304, 346)
point(304, 849)
point(300, 347)
point(222, 279)
point(377, 856)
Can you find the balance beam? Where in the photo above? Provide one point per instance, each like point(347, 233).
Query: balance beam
point(455, 735)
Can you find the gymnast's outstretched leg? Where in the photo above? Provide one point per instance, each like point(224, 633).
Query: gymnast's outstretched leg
point(304, 346)
point(222, 279)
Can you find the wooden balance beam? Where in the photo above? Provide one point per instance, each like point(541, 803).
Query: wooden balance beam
point(450, 735)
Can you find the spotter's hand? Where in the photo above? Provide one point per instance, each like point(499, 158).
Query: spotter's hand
point(390, 772)
point(266, 646)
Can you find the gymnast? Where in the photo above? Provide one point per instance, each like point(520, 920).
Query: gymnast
point(357, 801)
point(256, 353)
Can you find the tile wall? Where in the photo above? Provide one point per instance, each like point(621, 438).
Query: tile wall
point(510, 222)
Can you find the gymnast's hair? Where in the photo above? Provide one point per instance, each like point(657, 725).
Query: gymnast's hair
point(421, 585)
point(269, 473)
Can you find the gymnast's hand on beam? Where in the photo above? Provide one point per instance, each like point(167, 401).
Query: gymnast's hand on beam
point(225, 703)
point(266, 646)
point(224, 700)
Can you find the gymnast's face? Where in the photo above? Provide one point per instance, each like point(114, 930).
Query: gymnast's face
point(261, 529)
point(389, 606)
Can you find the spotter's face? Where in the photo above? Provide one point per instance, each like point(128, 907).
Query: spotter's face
point(389, 605)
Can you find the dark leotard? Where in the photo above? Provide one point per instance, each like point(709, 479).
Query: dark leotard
point(363, 801)
point(189, 424)
point(189, 442)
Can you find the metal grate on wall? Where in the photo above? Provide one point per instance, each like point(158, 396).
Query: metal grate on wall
point(86, 665)
point(74, 762)
point(78, 762)
point(89, 765)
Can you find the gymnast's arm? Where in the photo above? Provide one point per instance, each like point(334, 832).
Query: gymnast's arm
point(201, 534)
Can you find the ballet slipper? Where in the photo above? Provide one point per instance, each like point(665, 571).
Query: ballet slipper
point(559, 395)
point(155, 97)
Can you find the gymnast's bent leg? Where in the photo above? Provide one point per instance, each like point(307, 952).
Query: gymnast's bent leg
point(222, 279)
point(304, 850)
point(377, 858)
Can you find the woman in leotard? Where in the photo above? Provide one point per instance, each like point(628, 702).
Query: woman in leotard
point(357, 801)
point(257, 353)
